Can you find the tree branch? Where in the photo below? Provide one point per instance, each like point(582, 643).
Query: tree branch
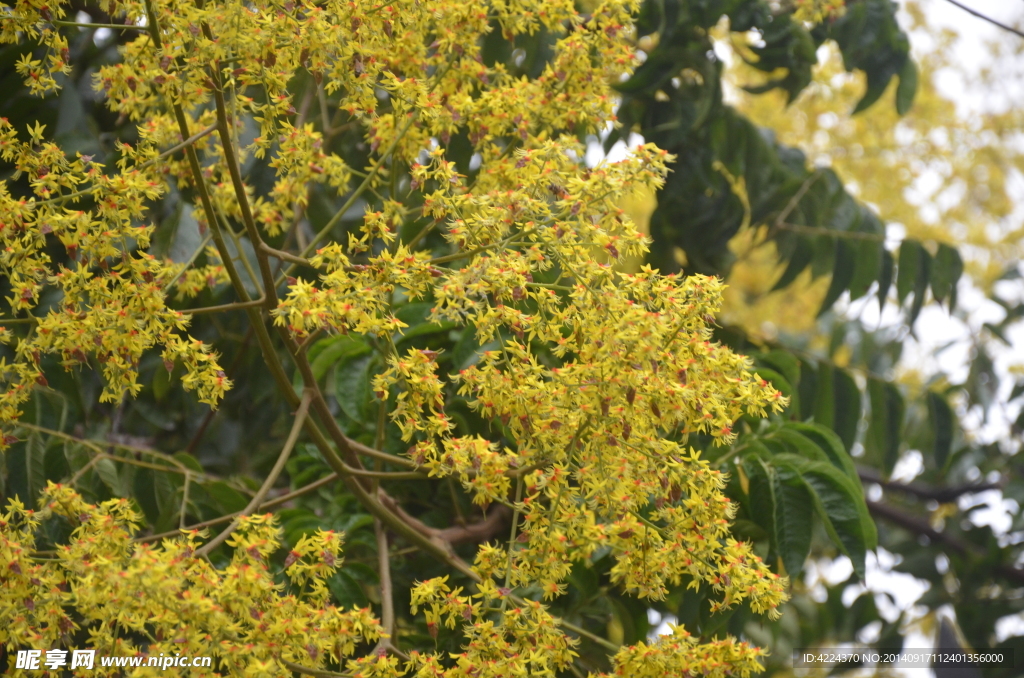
point(943, 495)
point(387, 603)
point(920, 526)
point(293, 436)
point(989, 19)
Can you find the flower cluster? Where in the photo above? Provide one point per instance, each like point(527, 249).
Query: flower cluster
point(112, 295)
point(115, 589)
point(818, 11)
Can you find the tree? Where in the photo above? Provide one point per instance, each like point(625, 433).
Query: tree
point(379, 216)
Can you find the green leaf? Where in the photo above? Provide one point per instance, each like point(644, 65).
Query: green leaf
point(946, 271)
point(885, 278)
point(911, 254)
point(230, 499)
point(830, 444)
point(35, 466)
point(77, 455)
point(186, 237)
point(422, 329)
point(907, 88)
point(842, 274)
point(352, 387)
point(107, 470)
point(780, 502)
point(56, 464)
point(921, 284)
point(885, 424)
point(189, 461)
point(799, 260)
point(346, 590)
point(824, 398)
point(941, 418)
point(840, 504)
point(785, 363)
point(799, 444)
point(867, 266)
point(847, 404)
point(334, 350)
point(415, 316)
point(875, 89)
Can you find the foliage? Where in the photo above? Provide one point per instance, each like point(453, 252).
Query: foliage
point(404, 289)
point(947, 178)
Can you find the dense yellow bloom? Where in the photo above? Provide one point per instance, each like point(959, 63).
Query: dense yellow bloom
point(179, 603)
point(592, 455)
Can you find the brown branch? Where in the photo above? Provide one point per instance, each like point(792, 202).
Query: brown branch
point(829, 233)
point(277, 501)
point(920, 526)
point(307, 671)
point(494, 524)
point(943, 495)
point(983, 17)
point(387, 603)
point(226, 307)
point(284, 256)
point(293, 436)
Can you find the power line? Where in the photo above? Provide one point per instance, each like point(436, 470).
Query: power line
point(989, 19)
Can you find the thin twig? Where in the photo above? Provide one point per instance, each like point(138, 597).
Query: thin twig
point(319, 673)
point(225, 307)
point(989, 19)
point(387, 603)
point(300, 420)
point(828, 232)
point(283, 499)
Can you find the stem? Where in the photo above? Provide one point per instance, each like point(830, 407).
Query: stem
point(829, 233)
point(352, 198)
point(387, 612)
point(226, 307)
point(293, 436)
point(512, 539)
point(227, 144)
point(305, 670)
point(119, 27)
point(284, 256)
point(184, 502)
point(283, 499)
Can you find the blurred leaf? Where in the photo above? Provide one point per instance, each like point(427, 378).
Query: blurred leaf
point(885, 278)
point(842, 274)
point(35, 466)
point(824, 397)
point(907, 88)
point(867, 255)
point(911, 254)
point(352, 387)
point(941, 418)
point(333, 350)
point(946, 271)
point(230, 499)
point(830, 444)
point(886, 423)
point(847, 402)
point(106, 468)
